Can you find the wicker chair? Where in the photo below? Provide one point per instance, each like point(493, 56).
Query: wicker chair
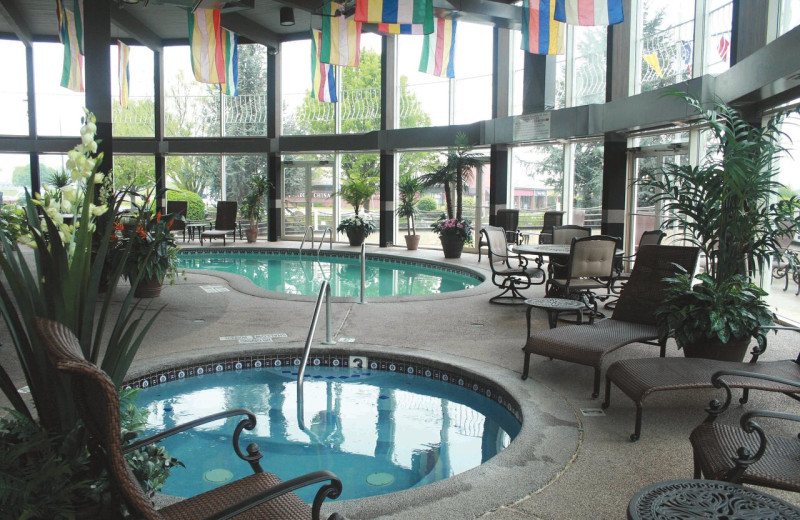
point(550, 220)
point(590, 267)
point(505, 276)
point(621, 276)
point(261, 495)
point(225, 222)
point(633, 320)
point(746, 453)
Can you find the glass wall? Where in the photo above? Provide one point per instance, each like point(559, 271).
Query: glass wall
point(135, 172)
point(589, 65)
point(360, 100)
point(200, 174)
point(472, 88)
point(718, 36)
point(246, 113)
point(300, 113)
point(308, 200)
point(666, 43)
point(15, 176)
point(138, 118)
point(537, 181)
point(430, 204)
point(14, 89)
point(789, 16)
point(587, 184)
point(58, 109)
point(424, 98)
point(190, 108)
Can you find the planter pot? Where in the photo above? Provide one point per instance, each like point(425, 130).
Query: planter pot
point(149, 288)
point(356, 236)
point(412, 242)
point(251, 234)
point(452, 246)
point(731, 351)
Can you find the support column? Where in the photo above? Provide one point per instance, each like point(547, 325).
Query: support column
point(538, 83)
point(389, 121)
point(97, 60)
point(748, 28)
point(386, 238)
point(275, 194)
point(158, 107)
point(614, 186)
point(36, 180)
point(498, 179)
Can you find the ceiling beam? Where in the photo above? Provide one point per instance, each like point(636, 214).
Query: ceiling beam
point(249, 29)
point(501, 15)
point(128, 23)
point(10, 11)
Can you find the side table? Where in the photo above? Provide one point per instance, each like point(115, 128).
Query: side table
point(707, 499)
point(197, 227)
point(554, 306)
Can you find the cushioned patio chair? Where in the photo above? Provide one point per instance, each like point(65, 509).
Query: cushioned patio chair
point(747, 453)
point(563, 235)
point(633, 320)
point(638, 378)
point(590, 267)
point(510, 278)
point(178, 207)
point(261, 495)
point(508, 219)
point(225, 222)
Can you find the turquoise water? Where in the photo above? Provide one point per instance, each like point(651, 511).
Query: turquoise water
point(293, 274)
point(378, 431)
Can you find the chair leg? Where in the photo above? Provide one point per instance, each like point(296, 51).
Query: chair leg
point(637, 429)
point(596, 390)
point(526, 366)
point(607, 398)
point(697, 472)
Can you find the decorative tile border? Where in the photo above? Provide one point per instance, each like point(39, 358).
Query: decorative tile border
point(419, 368)
point(339, 254)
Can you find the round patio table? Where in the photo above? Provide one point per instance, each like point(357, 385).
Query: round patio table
point(554, 306)
point(707, 499)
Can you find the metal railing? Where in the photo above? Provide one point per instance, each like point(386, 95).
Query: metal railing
point(327, 231)
point(363, 272)
point(324, 293)
point(305, 235)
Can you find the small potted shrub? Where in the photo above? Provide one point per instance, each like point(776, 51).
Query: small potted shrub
point(409, 188)
point(356, 190)
point(253, 204)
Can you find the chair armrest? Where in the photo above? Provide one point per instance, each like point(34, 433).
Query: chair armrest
point(715, 408)
point(331, 490)
point(744, 457)
point(248, 423)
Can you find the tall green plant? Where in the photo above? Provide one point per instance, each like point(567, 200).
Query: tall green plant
point(725, 205)
point(459, 167)
point(357, 188)
point(409, 188)
point(63, 285)
point(252, 205)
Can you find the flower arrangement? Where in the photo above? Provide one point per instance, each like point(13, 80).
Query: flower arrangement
point(358, 223)
point(453, 227)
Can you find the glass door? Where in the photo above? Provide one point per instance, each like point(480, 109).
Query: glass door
point(308, 197)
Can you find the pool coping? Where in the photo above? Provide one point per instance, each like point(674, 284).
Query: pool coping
point(547, 443)
point(246, 286)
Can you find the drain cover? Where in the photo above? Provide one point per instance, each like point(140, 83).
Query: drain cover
point(217, 476)
point(380, 479)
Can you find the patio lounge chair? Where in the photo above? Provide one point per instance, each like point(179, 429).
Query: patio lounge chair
point(510, 278)
point(633, 320)
point(225, 222)
point(261, 495)
point(638, 378)
point(746, 453)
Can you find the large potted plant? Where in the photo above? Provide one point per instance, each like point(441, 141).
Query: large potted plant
point(727, 207)
point(460, 164)
point(252, 207)
point(409, 189)
point(356, 190)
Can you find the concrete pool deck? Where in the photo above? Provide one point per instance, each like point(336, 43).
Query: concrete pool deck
point(583, 466)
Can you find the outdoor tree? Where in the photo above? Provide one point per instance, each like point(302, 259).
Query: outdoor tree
point(21, 175)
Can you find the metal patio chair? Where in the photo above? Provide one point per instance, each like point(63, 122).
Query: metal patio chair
point(510, 278)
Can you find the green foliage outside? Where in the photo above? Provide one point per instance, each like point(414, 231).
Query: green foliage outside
point(427, 204)
point(21, 175)
point(196, 208)
point(12, 222)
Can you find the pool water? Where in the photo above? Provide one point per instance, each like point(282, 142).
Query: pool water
point(294, 274)
point(378, 431)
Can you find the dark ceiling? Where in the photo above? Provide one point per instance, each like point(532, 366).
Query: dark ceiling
point(156, 23)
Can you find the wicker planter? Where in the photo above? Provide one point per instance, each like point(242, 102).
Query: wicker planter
point(149, 288)
point(412, 242)
point(452, 246)
point(734, 350)
point(356, 236)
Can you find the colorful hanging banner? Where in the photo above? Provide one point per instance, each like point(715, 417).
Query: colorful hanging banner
point(124, 76)
point(396, 12)
point(589, 12)
point(438, 49)
point(341, 41)
point(323, 82)
point(401, 28)
point(205, 42)
point(230, 50)
point(723, 48)
point(541, 33)
point(72, 69)
point(652, 60)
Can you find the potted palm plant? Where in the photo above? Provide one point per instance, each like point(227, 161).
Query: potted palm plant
point(252, 207)
point(409, 188)
point(356, 190)
point(726, 207)
point(460, 164)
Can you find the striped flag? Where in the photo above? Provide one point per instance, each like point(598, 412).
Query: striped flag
point(76, 6)
point(541, 33)
point(205, 42)
point(438, 49)
point(396, 12)
point(723, 48)
point(231, 52)
point(652, 60)
point(589, 12)
point(341, 41)
point(401, 28)
point(72, 70)
point(123, 55)
point(323, 83)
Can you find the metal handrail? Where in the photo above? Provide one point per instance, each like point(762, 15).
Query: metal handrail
point(363, 272)
point(324, 292)
point(329, 232)
point(305, 235)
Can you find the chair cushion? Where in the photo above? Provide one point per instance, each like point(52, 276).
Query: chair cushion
point(587, 344)
point(579, 284)
point(287, 506)
point(714, 444)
